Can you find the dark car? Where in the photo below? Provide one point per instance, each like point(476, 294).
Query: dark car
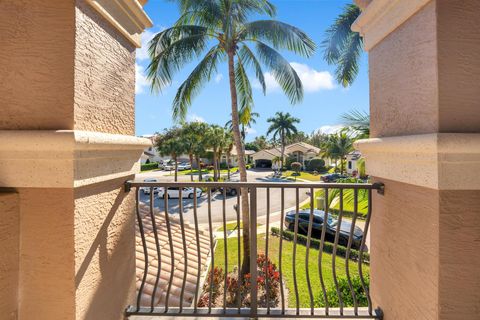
point(332, 177)
point(317, 225)
point(231, 191)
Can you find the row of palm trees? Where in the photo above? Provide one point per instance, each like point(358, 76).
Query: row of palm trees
point(196, 139)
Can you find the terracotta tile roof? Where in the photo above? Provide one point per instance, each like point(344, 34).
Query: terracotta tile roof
point(165, 255)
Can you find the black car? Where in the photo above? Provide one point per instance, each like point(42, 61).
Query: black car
point(232, 192)
point(332, 177)
point(317, 225)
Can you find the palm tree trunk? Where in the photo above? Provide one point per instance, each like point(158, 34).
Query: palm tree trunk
point(176, 167)
point(215, 178)
point(241, 163)
point(199, 168)
point(191, 166)
point(228, 165)
point(283, 152)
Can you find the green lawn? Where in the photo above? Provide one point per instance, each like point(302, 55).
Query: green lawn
point(204, 171)
point(348, 201)
point(233, 226)
point(287, 258)
point(303, 175)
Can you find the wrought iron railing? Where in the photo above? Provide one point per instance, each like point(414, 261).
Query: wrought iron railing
point(177, 239)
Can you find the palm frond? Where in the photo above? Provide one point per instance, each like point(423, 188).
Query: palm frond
point(281, 35)
point(347, 65)
point(170, 50)
point(195, 82)
point(282, 71)
point(244, 89)
point(249, 59)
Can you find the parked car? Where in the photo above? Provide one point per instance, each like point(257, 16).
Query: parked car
point(169, 166)
point(146, 190)
point(184, 166)
point(332, 177)
point(230, 191)
point(174, 192)
point(317, 225)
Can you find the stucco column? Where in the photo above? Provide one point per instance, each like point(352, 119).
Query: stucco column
point(67, 145)
point(425, 123)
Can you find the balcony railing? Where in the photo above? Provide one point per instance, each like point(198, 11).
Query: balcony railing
point(184, 237)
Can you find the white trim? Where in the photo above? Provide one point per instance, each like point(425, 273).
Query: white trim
point(382, 17)
point(122, 12)
point(66, 158)
point(442, 161)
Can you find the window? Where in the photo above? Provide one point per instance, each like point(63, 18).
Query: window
point(349, 164)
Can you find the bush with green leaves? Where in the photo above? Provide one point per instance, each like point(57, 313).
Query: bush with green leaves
point(345, 292)
point(149, 166)
point(316, 164)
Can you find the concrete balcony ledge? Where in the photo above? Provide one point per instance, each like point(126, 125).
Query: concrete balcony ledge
point(442, 161)
point(66, 158)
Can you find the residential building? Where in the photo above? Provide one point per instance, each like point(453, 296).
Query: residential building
point(352, 161)
point(301, 152)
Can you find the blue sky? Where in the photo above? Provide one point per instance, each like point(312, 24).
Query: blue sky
point(324, 99)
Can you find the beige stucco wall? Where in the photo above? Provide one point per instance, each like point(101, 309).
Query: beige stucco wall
point(404, 267)
point(46, 286)
point(425, 76)
point(403, 95)
point(104, 75)
point(9, 253)
point(104, 251)
point(37, 41)
point(458, 65)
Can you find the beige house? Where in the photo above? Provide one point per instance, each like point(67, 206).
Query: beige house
point(302, 152)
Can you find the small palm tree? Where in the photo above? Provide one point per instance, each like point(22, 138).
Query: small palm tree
point(193, 138)
point(358, 123)
point(337, 146)
point(170, 143)
point(247, 118)
point(216, 141)
point(224, 26)
point(343, 47)
point(282, 127)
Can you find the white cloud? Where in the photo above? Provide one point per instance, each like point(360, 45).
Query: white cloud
point(141, 82)
point(250, 131)
point(330, 129)
point(194, 118)
point(218, 78)
point(312, 79)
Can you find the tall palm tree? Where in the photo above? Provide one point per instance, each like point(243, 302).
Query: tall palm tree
point(193, 138)
point(170, 143)
point(343, 47)
point(282, 127)
point(225, 25)
point(358, 123)
point(247, 118)
point(216, 141)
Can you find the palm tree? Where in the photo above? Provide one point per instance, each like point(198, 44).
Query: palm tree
point(192, 136)
point(283, 127)
point(170, 143)
point(343, 47)
point(358, 123)
point(228, 147)
point(224, 24)
point(216, 141)
point(337, 146)
point(247, 118)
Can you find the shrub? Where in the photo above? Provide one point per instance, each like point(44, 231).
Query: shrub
point(288, 163)
point(210, 167)
point(316, 164)
point(327, 246)
point(248, 166)
point(223, 165)
point(296, 166)
point(149, 166)
point(344, 288)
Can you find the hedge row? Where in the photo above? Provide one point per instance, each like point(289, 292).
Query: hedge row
point(149, 166)
point(327, 246)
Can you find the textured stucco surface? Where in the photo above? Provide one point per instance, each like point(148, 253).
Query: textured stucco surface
point(459, 288)
point(458, 65)
point(403, 73)
point(36, 63)
point(9, 253)
point(46, 286)
point(104, 75)
point(104, 250)
point(405, 252)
